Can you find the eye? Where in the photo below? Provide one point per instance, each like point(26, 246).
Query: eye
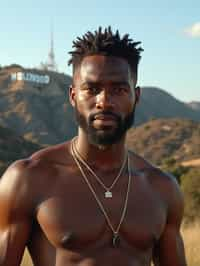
point(93, 90)
point(119, 89)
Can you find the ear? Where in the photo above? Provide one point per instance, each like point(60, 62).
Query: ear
point(72, 95)
point(137, 94)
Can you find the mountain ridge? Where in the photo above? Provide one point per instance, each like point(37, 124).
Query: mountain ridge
point(194, 105)
point(160, 139)
point(41, 112)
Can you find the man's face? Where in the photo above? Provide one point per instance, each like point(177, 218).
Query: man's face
point(104, 98)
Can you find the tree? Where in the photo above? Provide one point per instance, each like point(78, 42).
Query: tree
point(191, 189)
point(171, 166)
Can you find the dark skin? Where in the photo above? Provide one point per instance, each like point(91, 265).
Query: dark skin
point(46, 205)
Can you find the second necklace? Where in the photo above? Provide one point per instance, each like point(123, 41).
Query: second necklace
point(115, 230)
point(108, 193)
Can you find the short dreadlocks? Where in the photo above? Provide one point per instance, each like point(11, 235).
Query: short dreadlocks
point(106, 43)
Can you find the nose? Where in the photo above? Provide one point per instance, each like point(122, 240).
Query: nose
point(104, 100)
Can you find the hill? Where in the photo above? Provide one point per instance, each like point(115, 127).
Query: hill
point(34, 103)
point(156, 103)
point(162, 139)
point(36, 109)
point(194, 105)
point(13, 147)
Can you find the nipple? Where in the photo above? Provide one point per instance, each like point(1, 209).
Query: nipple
point(67, 239)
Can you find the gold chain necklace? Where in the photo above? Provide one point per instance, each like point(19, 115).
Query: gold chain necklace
point(108, 193)
point(115, 238)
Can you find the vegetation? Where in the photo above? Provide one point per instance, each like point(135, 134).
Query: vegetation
point(40, 112)
point(171, 166)
point(189, 180)
point(13, 147)
point(191, 241)
point(160, 139)
point(12, 66)
point(190, 183)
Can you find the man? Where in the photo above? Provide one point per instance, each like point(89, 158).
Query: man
point(90, 201)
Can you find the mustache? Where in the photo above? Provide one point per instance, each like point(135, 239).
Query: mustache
point(109, 113)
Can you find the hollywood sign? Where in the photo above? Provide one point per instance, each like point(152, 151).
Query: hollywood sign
point(27, 76)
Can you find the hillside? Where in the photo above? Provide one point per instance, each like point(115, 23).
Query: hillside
point(13, 147)
point(156, 103)
point(36, 105)
point(194, 105)
point(162, 139)
point(39, 112)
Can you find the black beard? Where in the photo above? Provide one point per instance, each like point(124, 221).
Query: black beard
point(106, 136)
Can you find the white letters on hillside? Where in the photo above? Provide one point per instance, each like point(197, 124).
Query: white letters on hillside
point(27, 76)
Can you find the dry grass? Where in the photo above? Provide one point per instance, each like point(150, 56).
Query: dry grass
point(193, 163)
point(26, 260)
point(191, 236)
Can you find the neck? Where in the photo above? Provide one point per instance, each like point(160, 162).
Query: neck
point(109, 156)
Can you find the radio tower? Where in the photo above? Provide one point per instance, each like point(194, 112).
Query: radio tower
point(51, 63)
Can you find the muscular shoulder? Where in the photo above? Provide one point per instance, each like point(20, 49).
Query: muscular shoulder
point(26, 179)
point(16, 181)
point(173, 196)
point(21, 183)
point(15, 176)
point(164, 185)
point(56, 154)
point(15, 193)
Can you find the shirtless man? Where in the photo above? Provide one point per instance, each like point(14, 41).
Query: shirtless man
point(90, 201)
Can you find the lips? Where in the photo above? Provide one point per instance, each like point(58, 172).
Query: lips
point(105, 117)
point(102, 120)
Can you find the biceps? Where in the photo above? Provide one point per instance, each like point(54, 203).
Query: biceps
point(12, 243)
point(171, 249)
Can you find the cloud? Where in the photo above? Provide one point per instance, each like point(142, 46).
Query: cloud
point(193, 31)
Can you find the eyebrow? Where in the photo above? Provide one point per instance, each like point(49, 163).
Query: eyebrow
point(90, 83)
point(99, 83)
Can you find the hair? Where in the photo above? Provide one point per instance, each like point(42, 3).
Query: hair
point(105, 43)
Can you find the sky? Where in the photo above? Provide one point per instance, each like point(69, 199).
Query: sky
point(169, 32)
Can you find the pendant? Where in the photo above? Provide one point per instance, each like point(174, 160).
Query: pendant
point(108, 194)
point(115, 240)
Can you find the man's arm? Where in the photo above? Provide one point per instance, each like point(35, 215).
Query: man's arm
point(170, 248)
point(15, 222)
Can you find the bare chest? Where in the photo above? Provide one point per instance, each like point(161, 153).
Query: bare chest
point(71, 218)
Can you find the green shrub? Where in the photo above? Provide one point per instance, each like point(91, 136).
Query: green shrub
point(190, 184)
point(171, 166)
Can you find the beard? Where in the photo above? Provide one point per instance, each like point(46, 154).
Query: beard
point(105, 136)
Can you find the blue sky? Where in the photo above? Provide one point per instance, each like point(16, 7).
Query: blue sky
point(169, 32)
